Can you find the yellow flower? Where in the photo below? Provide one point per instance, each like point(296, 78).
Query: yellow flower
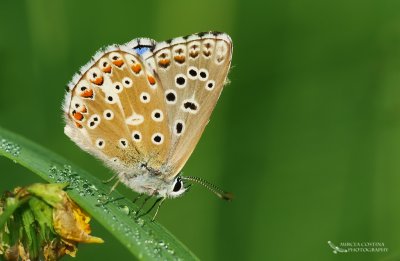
point(72, 223)
point(45, 221)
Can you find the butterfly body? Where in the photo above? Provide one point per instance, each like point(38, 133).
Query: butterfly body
point(142, 107)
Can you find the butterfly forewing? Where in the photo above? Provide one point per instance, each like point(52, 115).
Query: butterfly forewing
point(192, 71)
point(117, 106)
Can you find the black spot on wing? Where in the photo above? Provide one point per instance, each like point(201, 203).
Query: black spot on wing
point(190, 105)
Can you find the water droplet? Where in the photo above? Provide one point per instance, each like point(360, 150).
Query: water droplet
point(148, 241)
point(140, 222)
point(125, 209)
point(10, 147)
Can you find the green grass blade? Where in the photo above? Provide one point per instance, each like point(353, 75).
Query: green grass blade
point(144, 239)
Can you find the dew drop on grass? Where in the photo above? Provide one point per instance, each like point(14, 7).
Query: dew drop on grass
point(136, 234)
point(153, 245)
point(148, 241)
point(140, 222)
point(125, 209)
point(10, 147)
point(156, 250)
point(66, 174)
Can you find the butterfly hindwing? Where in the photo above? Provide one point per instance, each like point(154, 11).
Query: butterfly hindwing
point(192, 71)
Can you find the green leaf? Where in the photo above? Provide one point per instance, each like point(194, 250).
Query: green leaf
point(10, 206)
point(50, 193)
point(144, 239)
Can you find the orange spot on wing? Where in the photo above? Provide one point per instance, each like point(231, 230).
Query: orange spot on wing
point(107, 69)
point(194, 54)
point(151, 79)
point(78, 125)
point(118, 63)
point(179, 58)
point(77, 115)
point(98, 80)
point(164, 63)
point(83, 110)
point(136, 68)
point(88, 93)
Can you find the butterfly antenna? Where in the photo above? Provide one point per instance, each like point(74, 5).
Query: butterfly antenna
point(216, 190)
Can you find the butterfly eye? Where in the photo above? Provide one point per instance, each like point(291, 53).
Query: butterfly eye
point(178, 185)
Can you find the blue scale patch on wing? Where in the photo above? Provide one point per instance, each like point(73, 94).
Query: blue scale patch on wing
point(141, 50)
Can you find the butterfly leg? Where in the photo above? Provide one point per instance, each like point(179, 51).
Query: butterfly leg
point(137, 198)
point(114, 186)
point(110, 179)
point(107, 199)
point(158, 207)
point(141, 207)
point(159, 200)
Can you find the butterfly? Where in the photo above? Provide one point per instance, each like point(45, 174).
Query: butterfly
point(141, 108)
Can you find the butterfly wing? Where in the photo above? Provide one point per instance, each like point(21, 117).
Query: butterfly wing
point(114, 110)
point(192, 71)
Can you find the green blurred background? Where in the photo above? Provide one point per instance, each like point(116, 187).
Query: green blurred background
point(307, 135)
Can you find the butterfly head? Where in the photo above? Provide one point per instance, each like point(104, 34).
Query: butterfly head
point(178, 188)
point(153, 184)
